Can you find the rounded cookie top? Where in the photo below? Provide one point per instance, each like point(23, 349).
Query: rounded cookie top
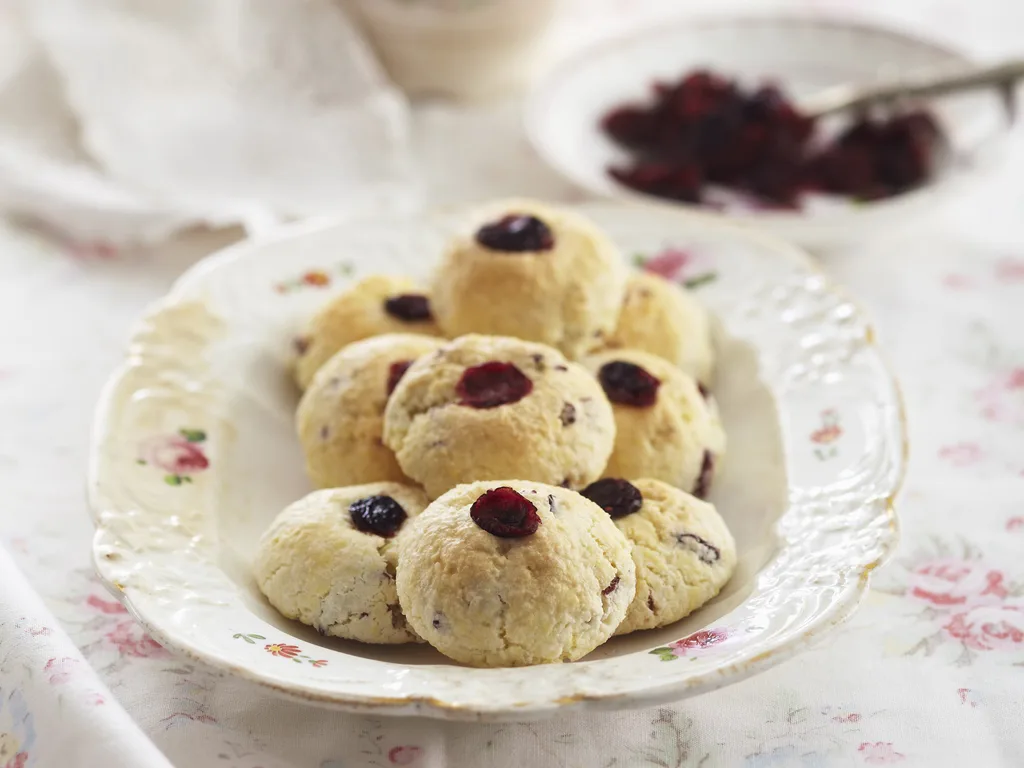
point(682, 548)
point(340, 418)
point(375, 305)
point(532, 271)
point(329, 560)
point(512, 573)
point(665, 428)
point(664, 319)
point(491, 407)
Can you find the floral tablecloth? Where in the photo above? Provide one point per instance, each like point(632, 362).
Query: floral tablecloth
point(929, 672)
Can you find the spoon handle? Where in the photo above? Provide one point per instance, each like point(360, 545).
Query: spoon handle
point(842, 97)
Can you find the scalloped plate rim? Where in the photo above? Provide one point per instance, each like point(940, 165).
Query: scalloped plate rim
point(839, 609)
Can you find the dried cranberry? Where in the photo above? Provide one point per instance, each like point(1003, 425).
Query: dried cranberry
point(492, 384)
point(396, 372)
point(410, 307)
point(505, 513)
point(707, 473)
point(676, 182)
point(632, 127)
point(704, 129)
point(615, 496)
point(611, 586)
point(380, 515)
point(516, 233)
point(628, 384)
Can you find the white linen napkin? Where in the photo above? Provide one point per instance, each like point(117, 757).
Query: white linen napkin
point(54, 710)
point(128, 119)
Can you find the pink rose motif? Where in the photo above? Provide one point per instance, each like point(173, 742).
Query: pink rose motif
point(18, 761)
point(173, 453)
point(949, 583)
point(105, 606)
point(1015, 523)
point(404, 755)
point(853, 717)
point(130, 640)
point(60, 670)
point(988, 627)
point(669, 263)
point(1010, 269)
point(880, 753)
point(830, 429)
point(698, 642)
point(1002, 400)
point(961, 454)
point(180, 455)
point(957, 282)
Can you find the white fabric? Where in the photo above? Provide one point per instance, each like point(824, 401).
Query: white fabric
point(928, 672)
point(192, 111)
point(52, 704)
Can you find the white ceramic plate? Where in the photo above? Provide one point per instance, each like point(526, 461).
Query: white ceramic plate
point(804, 55)
point(195, 453)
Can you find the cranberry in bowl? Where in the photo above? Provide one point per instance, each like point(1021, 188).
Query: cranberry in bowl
point(676, 116)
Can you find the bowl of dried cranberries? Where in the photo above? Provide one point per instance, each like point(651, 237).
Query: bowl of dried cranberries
point(704, 114)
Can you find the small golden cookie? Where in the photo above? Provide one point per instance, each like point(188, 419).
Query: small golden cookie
point(341, 416)
point(375, 305)
point(664, 426)
point(512, 573)
point(683, 550)
point(491, 407)
point(531, 271)
point(665, 319)
point(329, 561)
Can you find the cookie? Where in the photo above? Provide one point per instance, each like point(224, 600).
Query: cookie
point(512, 573)
point(665, 428)
point(340, 418)
point(492, 407)
point(682, 548)
point(665, 319)
point(329, 561)
point(375, 305)
point(532, 271)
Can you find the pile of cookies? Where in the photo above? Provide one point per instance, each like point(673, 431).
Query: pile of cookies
point(512, 463)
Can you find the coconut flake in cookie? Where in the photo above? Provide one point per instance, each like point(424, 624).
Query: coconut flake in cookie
point(664, 426)
point(329, 561)
point(683, 550)
point(492, 407)
point(531, 271)
point(373, 306)
point(553, 591)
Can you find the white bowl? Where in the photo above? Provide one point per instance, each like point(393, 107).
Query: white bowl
point(195, 452)
point(803, 54)
point(470, 49)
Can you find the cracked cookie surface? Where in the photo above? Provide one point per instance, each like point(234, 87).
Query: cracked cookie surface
point(664, 319)
point(521, 411)
point(676, 436)
point(566, 295)
point(314, 565)
point(683, 551)
point(340, 419)
point(552, 595)
point(370, 307)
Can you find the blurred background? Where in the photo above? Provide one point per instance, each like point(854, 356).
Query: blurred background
point(124, 122)
point(138, 136)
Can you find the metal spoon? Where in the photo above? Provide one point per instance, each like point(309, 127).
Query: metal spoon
point(839, 98)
